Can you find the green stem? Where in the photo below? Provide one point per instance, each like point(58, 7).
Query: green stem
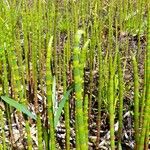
point(136, 100)
point(49, 95)
point(120, 76)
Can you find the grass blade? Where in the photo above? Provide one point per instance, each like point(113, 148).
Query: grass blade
point(61, 106)
point(18, 106)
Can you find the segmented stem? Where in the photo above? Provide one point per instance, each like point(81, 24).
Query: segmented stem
point(136, 99)
point(78, 92)
point(49, 95)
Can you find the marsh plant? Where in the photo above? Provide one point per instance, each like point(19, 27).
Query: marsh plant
point(77, 67)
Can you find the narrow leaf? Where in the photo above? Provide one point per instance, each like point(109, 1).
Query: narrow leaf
point(18, 106)
point(61, 106)
point(54, 97)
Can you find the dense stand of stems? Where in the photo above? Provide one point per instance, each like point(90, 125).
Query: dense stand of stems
point(28, 63)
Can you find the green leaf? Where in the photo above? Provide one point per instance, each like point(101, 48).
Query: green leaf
point(18, 106)
point(54, 99)
point(61, 106)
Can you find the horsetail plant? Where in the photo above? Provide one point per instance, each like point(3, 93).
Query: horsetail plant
point(146, 117)
point(49, 95)
point(56, 7)
point(39, 131)
point(29, 139)
point(120, 76)
point(28, 62)
point(136, 100)
point(142, 104)
point(6, 89)
point(78, 80)
point(100, 81)
point(2, 124)
point(111, 82)
point(111, 104)
point(67, 113)
point(147, 136)
point(85, 117)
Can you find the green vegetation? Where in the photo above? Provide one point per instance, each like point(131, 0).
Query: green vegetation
point(78, 65)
